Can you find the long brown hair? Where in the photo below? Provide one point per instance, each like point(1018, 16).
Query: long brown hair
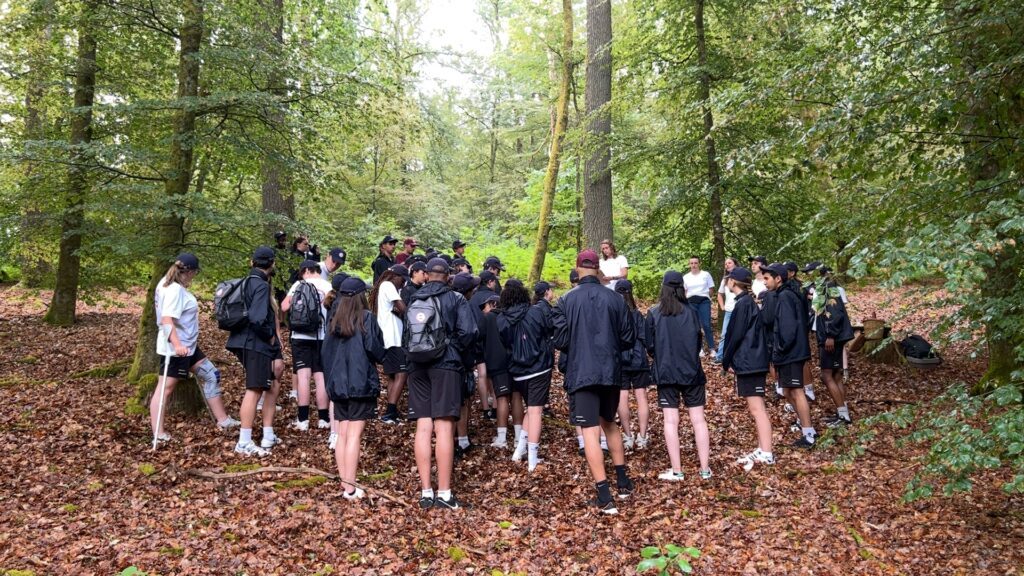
point(348, 315)
point(611, 245)
point(175, 273)
point(387, 276)
point(671, 301)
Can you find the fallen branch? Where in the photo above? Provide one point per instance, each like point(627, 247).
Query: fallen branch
point(212, 475)
point(883, 401)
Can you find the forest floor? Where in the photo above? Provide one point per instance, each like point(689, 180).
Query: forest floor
point(82, 493)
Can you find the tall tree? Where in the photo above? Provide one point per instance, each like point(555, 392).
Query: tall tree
point(65, 293)
point(555, 154)
point(276, 198)
point(178, 178)
point(597, 185)
point(713, 173)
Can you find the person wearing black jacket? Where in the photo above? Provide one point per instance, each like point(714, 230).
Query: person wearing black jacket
point(833, 329)
point(465, 284)
point(592, 327)
point(435, 388)
point(673, 339)
point(352, 348)
point(636, 374)
point(484, 383)
point(417, 277)
point(385, 257)
point(745, 354)
point(255, 344)
point(525, 331)
point(789, 346)
point(509, 400)
point(793, 283)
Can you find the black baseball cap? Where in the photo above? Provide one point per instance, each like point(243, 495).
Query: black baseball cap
point(494, 262)
point(775, 269)
point(623, 285)
point(464, 281)
point(338, 255)
point(279, 234)
point(351, 286)
point(492, 298)
point(437, 266)
point(458, 244)
point(389, 239)
point(188, 261)
point(741, 274)
point(486, 276)
point(309, 265)
point(460, 262)
point(541, 287)
point(673, 279)
point(811, 267)
point(761, 259)
point(418, 265)
point(416, 258)
point(400, 270)
point(263, 254)
point(790, 266)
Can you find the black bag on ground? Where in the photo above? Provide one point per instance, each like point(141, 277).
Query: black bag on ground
point(229, 304)
point(425, 337)
point(915, 346)
point(304, 313)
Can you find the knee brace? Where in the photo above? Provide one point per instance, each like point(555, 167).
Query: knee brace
point(209, 378)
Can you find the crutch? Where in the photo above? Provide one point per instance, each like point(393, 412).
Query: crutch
point(165, 330)
point(846, 365)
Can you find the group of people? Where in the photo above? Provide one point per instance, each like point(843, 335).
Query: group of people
point(445, 334)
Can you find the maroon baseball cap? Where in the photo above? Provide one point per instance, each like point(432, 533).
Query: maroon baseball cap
point(587, 259)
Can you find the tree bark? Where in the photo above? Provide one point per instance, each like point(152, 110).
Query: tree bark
point(555, 154)
point(65, 293)
point(597, 184)
point(713, 174)
point(170, 233)
point(276, 198)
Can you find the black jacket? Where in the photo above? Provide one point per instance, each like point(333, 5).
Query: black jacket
point(745, 349)
point(531, 327)
point(834, 322)
point(674, 342)
point(592, 326)
point(635, 360)
point(407, 291)
point(259, 334)
point(350, 364)
point(480, 295)
point(459, 324)
point(495, 355)
point(784, 315)
point(380, 265)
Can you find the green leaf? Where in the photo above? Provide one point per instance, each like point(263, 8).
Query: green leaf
point(692, 552)
point(684, 564)
point(650, 552)
point(646, 565)
point(673, 550)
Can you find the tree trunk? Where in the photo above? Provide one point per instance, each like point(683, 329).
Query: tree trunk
point(65, 293)
point(276, 198)
point(169, 240)
point(713, 175)
point(597, 183)
point(555, 155)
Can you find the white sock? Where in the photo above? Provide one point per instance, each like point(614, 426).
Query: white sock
point(533, 454)
point(502, 433)
point(604, 442)
point(268, 432)
point(579, 440)
point(809, 388)
point(809, 433)
point(843, 411)
point(444, 494)
point(463, 442)
point(427, 493)
point(521, 442)
point(517, 429)
point(244, 435)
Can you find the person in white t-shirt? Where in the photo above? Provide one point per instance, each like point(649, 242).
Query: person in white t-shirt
point(699, 285)
point(613, 265)
point(177, 317)
point(386, 302)
point(755, 268)
point(726, 303)
point(306, 359)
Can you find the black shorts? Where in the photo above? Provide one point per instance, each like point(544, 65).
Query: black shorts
point(468, 386)
point(830, 360)
point(536, 390)
point(435, 393)
point(179, 366)
point(693, 396)
point(594, 404)
point(501, 384)
point(259, 369)
point(750, 385)
point(635, 380)
point(790, 375)
point(306, 354)
point(355, 409)
point(394, 361)
point(278, 354)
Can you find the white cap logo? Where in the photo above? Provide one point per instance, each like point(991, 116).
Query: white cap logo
point(421, 317)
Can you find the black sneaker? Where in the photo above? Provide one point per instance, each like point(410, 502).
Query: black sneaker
point(491, 414)
point(625, 490)
point(581, 453)
point(604, 507)
point(452, 503)
point(391, 418)
point(459, 452)
point(426, 502)
point(804, 443)
point(836, 421)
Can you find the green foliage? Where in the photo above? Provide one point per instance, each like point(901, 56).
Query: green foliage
point(667, 560)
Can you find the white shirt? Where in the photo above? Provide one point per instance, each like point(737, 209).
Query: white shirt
point(730, 298)
point(758, 286)
point(323, 287)
point(178, 303)
point(613, 267)
point(390, 324)
point(699, 284)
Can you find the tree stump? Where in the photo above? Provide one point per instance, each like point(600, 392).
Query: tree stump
point(187, 398)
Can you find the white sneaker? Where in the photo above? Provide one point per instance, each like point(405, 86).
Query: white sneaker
point(641, 442)
point(162, 438)
point(503, 444)
point(250, 449)
point(229, 423)
point(520, 452)
point(702, 353)
point(670, 476)
point(809, 392)
point(357, 495)
point(533, 467)
point(294, 394)
point(627, 442)
point(323, 424)
point(332, 441)
point(302, 426)
point(756, 457)
point(789, 408)
point(269, 443)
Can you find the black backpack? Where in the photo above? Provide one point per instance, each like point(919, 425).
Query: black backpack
point(229, 304)
point(426, 336)
point(304, 315)
point(915, 346)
